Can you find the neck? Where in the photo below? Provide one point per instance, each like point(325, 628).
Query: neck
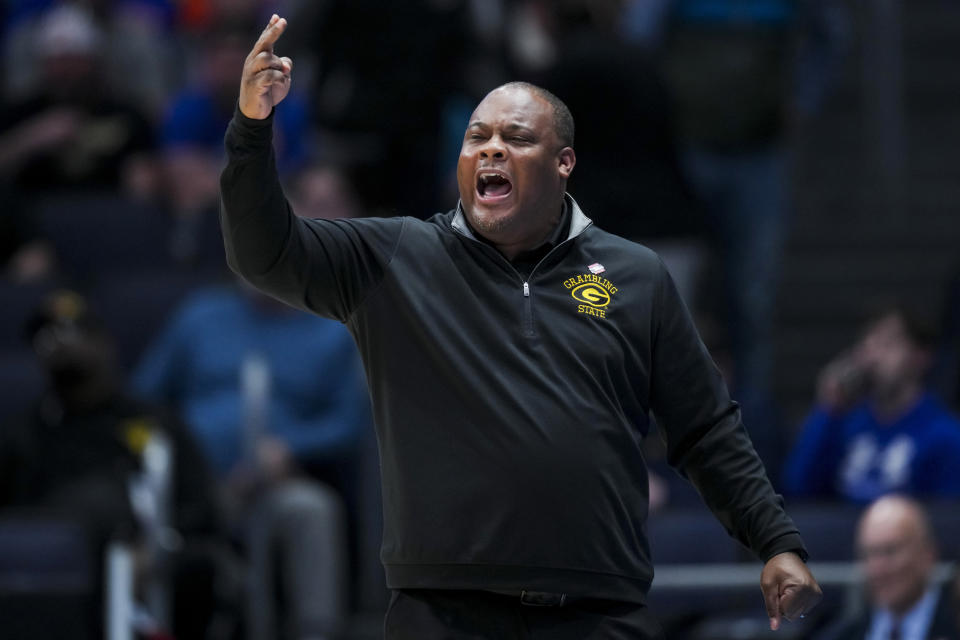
point(511, 247)
point(511, 250)
point(902, 609)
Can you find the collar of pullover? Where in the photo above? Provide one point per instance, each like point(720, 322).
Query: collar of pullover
point(578, 222)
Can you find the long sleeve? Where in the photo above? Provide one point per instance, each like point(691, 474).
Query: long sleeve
point(324, 266)
point(706, 440)
point(811, 468)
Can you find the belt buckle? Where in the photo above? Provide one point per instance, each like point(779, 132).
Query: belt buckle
point(542, 599)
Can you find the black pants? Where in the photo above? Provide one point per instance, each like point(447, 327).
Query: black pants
point(421, 614)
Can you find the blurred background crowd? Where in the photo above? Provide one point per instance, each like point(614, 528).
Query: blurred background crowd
point(171, 436)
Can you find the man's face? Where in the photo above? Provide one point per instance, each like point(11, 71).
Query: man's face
point(513, 168)
point(890, 356)
point(897, 560)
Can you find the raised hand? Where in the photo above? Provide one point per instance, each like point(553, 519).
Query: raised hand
point(266, 77)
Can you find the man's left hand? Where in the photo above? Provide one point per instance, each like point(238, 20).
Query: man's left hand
point(789, 589)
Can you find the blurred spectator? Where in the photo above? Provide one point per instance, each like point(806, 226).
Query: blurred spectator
point(876, 429)
point(738, 71)
point(136, 33)
point(899, 553)
point(71, 130)
point(270, 391)
point(81, 454)
point(192, 140)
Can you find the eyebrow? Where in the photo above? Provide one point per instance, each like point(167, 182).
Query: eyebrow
point(510, 127)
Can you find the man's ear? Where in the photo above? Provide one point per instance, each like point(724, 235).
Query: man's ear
point(567, 159)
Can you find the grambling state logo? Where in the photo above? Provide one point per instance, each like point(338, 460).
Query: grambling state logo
point(593, 292)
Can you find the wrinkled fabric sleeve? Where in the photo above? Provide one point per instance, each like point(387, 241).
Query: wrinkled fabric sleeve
point(327, 267)
point(705, 437)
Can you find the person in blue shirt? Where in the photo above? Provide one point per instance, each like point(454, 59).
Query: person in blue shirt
point(270, 392)
point(876, 429)
point(315, 405)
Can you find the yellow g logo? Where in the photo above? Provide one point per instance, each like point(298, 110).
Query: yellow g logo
point(591, 294)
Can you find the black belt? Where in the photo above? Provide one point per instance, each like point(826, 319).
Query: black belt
point(536, 598)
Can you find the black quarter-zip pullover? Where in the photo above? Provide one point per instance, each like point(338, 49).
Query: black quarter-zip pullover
point(510, 408)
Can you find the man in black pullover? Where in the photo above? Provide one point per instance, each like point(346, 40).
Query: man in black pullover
point(514, 352)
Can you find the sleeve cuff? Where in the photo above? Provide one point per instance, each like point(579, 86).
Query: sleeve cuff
point(789, 542)
point(252, 125)
point(247, 134)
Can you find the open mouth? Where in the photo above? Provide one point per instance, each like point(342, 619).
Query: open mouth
point(492, 185)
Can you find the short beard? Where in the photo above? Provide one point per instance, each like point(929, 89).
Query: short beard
point(489, 226)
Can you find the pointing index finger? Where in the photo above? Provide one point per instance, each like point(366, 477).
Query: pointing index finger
point(270, 35)
point(771, 599)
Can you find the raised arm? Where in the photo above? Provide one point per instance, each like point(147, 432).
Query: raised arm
point(322, 266)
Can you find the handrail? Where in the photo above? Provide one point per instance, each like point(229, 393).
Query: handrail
point(691, 576)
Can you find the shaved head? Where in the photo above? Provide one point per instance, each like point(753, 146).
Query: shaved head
point(562, 118)
point(896, 544)
point(900, 513)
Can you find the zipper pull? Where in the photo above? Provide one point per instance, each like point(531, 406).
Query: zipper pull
point(526, 290)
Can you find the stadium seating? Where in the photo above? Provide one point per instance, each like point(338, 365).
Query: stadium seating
point(93, 234)
point(135, 306)
point(17, 302)
point(21, 380)
point(48, 582)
